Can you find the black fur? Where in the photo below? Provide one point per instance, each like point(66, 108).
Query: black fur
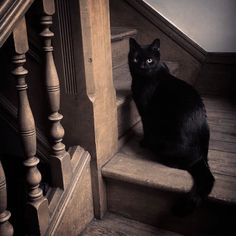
point(173, 117)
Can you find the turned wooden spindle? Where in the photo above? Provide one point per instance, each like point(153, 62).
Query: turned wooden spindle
point(37, 204)
point(53, 89)
point(6, 228)
point(60, 161)
point(27, 129)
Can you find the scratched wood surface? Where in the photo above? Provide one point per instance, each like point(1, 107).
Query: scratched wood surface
point(114, 225)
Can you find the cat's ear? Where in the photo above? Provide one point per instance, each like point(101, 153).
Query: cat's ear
point(133, 45)
point(155, 46)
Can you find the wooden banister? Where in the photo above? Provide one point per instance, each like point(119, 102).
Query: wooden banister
point(6, 228)
point(61, 169)
point(37, 213)
point(10, 12)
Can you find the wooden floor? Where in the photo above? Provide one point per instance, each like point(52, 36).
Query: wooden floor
point(222, 150)
point(114, 225)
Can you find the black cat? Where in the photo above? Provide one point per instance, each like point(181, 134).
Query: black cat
point(174, 120)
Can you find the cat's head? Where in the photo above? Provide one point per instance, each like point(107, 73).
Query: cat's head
point(144, 60)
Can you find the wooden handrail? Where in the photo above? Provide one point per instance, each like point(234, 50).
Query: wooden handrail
point(10, 13)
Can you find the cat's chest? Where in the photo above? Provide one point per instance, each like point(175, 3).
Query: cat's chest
point(156, 98)
point(143, 93)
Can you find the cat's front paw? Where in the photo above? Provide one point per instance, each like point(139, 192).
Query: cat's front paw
point(185, 206)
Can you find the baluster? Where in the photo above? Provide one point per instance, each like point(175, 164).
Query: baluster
point(6, 228)
point(37, 214)
point(60, 159)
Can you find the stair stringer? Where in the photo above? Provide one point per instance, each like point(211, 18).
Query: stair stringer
point(72, 210)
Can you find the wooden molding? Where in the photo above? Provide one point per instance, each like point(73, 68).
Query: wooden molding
point(221, 58)
point(66, 45)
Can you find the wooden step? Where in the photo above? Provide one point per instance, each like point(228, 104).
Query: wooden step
point(120, 45)
point(126, 110)
point(115, 225)
point(140, 188)
point(127, 113)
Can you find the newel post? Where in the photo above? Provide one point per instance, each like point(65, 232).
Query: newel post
point(98, 97)
point(6, 228)
point(37, 212)
point(60, 159)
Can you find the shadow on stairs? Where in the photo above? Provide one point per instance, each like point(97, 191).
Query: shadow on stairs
point(114, 225)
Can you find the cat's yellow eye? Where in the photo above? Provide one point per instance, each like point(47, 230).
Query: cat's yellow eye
point(149, 60)
point(135, 60)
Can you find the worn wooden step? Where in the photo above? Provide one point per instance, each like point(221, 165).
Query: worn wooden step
point(115, 225)
point(140, 188)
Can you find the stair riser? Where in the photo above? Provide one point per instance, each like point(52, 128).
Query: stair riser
point(120, 50)
point(153, 206)
point(127, 117)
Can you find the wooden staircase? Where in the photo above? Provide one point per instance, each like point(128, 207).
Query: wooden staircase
point(139, 192)
point(114, 225)
point(140, 188)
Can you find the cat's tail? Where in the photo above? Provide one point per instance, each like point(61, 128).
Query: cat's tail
point(203, 179)
point(203, 182)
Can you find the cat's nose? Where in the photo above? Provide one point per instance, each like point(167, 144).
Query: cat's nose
point(143, 66)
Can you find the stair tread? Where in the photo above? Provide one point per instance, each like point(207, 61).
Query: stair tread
point(118, 33)
point(115, 225)
point(137, 165)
